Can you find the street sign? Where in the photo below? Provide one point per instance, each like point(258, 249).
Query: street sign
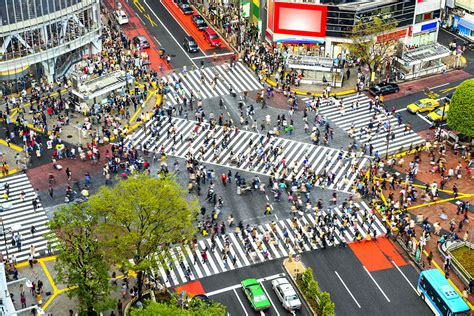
point(297, 258)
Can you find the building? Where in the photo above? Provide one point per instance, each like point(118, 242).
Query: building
point(43, 38)
point(324, 26)
point(460, 17)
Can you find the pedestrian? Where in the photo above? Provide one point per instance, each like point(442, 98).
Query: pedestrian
point(33, 230)
point(51, 191)
point(35, 204)
point(30, 260)
point(119, 308)
point(224, 179)
point(68, 173)
point(268, 209)
point(429, 258)
point(23, 300)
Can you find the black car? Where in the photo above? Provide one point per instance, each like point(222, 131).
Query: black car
point(199, 22)
point(190, 44)
point(384, 88)
point(186, 8)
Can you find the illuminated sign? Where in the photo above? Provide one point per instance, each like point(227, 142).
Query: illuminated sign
point(300, 19)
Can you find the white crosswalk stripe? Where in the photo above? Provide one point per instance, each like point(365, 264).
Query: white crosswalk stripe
point(360, 117)
point(319, 158)
point(199, 81)
point(20, 217)
point(277, 238)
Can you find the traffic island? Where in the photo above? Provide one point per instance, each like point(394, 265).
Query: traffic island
point(318, 302)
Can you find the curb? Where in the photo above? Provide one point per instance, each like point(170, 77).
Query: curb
point(293, 281)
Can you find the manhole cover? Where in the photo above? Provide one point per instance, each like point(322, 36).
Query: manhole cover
point(69, 136)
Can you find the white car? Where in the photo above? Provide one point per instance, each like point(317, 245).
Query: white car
point(121, 17)
point(286, 294)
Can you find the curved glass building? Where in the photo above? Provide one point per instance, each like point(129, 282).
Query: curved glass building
point(43, 38)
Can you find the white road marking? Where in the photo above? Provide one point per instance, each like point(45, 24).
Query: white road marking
point(210, 56)
point(350, 293)
point(143, 22)
point(236, 286)
point(240, 301)
point(441, 85)
point(400, 110)
point(370, 275)
point(169, 32)
point(423, 118)
point(404, 276)
point(157, 41)
point(268, 296)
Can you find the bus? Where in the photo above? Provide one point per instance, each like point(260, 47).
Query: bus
point(440, 296)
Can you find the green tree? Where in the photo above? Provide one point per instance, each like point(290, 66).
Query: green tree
point(461, 109)
point(196, 308)
point(80, 263)
point(142, 218)
point(372, 43)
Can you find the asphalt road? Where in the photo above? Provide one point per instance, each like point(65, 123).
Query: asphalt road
point(394, 297)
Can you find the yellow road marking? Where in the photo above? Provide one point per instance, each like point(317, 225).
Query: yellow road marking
point(141, 107)
point(150, 19)
point(12, 146)
point(138, 5)
point(447, 89)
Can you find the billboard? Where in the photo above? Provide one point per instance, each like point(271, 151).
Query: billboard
point(299, 19)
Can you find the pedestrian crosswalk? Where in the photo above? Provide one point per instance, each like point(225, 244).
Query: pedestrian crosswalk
point(355, 119)
point(267, 241)
point(18, 215)
point(242, 151)
point(209, 82)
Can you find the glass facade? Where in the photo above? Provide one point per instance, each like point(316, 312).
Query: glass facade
point(341, 19)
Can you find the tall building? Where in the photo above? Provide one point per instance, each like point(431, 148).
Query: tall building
point(43, 38)
point(325, 25)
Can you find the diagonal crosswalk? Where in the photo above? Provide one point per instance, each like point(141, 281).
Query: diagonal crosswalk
point(355, 120)
point(243, 150)
point(200, 81)
point(267, 241)
point(19, 215)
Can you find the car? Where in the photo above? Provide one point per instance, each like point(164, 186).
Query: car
point(142, 41)
point(384, 88)
point(286, 294)
point(211, 37)
point(121, 17)
point(186, 8)
point(437, 115)
point(190, 44)
point(199, 22)
point(255, 294)
point(422, 105)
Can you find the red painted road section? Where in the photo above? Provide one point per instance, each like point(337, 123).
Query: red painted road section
point(433, 81)
point(134, 28)
point(191, 288)
point(377, 255)
point(187, 24)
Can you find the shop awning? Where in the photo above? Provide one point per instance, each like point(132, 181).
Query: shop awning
point(466, 23)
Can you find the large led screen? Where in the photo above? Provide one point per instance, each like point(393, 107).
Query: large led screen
point(300, 19)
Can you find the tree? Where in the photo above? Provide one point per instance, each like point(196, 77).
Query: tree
point(196, 308)
point(461, 109)
point(80, 263)
point(142, 218)
point(372, 43)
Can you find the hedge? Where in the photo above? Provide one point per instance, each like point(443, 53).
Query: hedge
point(319, 301)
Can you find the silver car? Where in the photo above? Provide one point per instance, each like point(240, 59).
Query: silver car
point(286, 294)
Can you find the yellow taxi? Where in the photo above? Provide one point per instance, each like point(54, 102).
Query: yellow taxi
point(422, 105)
point(437, 115)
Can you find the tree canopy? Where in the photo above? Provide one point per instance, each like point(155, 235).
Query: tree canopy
point(141, 218)
point(372, 43)
point(461, 109)
point(80, 263)
point(196, 308)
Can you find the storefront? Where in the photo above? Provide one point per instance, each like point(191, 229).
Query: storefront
point(424, 33)
point(465, 25)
